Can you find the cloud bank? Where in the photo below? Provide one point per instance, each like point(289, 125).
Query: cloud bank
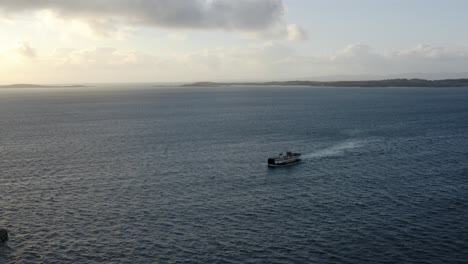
point(269, 61)
point(106, 15)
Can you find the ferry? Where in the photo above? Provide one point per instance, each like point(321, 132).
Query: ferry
point(284, 159)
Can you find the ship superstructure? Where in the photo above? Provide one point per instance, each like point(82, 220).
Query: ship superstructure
point(284, 159)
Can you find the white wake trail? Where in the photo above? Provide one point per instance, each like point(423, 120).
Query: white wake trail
point(336, 150)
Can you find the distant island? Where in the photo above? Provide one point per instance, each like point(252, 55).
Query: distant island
point(26, 85)
point(376, 83)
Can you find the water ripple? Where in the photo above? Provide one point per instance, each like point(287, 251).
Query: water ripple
point(165, 176)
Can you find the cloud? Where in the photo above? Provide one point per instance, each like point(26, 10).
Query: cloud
point(424, 51)
point(427, 58)
point(268, 61)
point(354, 51)
point(281, 31)
point(177, 36)
point(107, 64)
point(358, 58)
point(361, 59)
point(26, 50)
point(101, 58)
point(244, 15)
point(296, 33)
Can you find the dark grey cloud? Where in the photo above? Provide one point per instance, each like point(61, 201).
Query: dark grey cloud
point(244, 15)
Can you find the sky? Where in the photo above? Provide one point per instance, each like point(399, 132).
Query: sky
point(93, 41)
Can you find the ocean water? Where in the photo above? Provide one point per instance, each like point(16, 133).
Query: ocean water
point(134, 174)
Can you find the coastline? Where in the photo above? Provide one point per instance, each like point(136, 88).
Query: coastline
point(377, 83)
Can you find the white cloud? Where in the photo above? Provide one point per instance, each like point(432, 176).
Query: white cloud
point(177, 36)
point(354, 51)
point(26, 50)
point(291, 32)
point(100, 58)
point(269, 61)
point(296, 33)
point(424, 51)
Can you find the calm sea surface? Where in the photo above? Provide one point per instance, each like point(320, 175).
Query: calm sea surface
point(178, 175)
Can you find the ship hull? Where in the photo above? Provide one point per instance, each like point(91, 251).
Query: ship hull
point(284, 159)
point(284, 164)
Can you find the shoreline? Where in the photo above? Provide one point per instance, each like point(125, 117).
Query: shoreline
point(373, 84)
